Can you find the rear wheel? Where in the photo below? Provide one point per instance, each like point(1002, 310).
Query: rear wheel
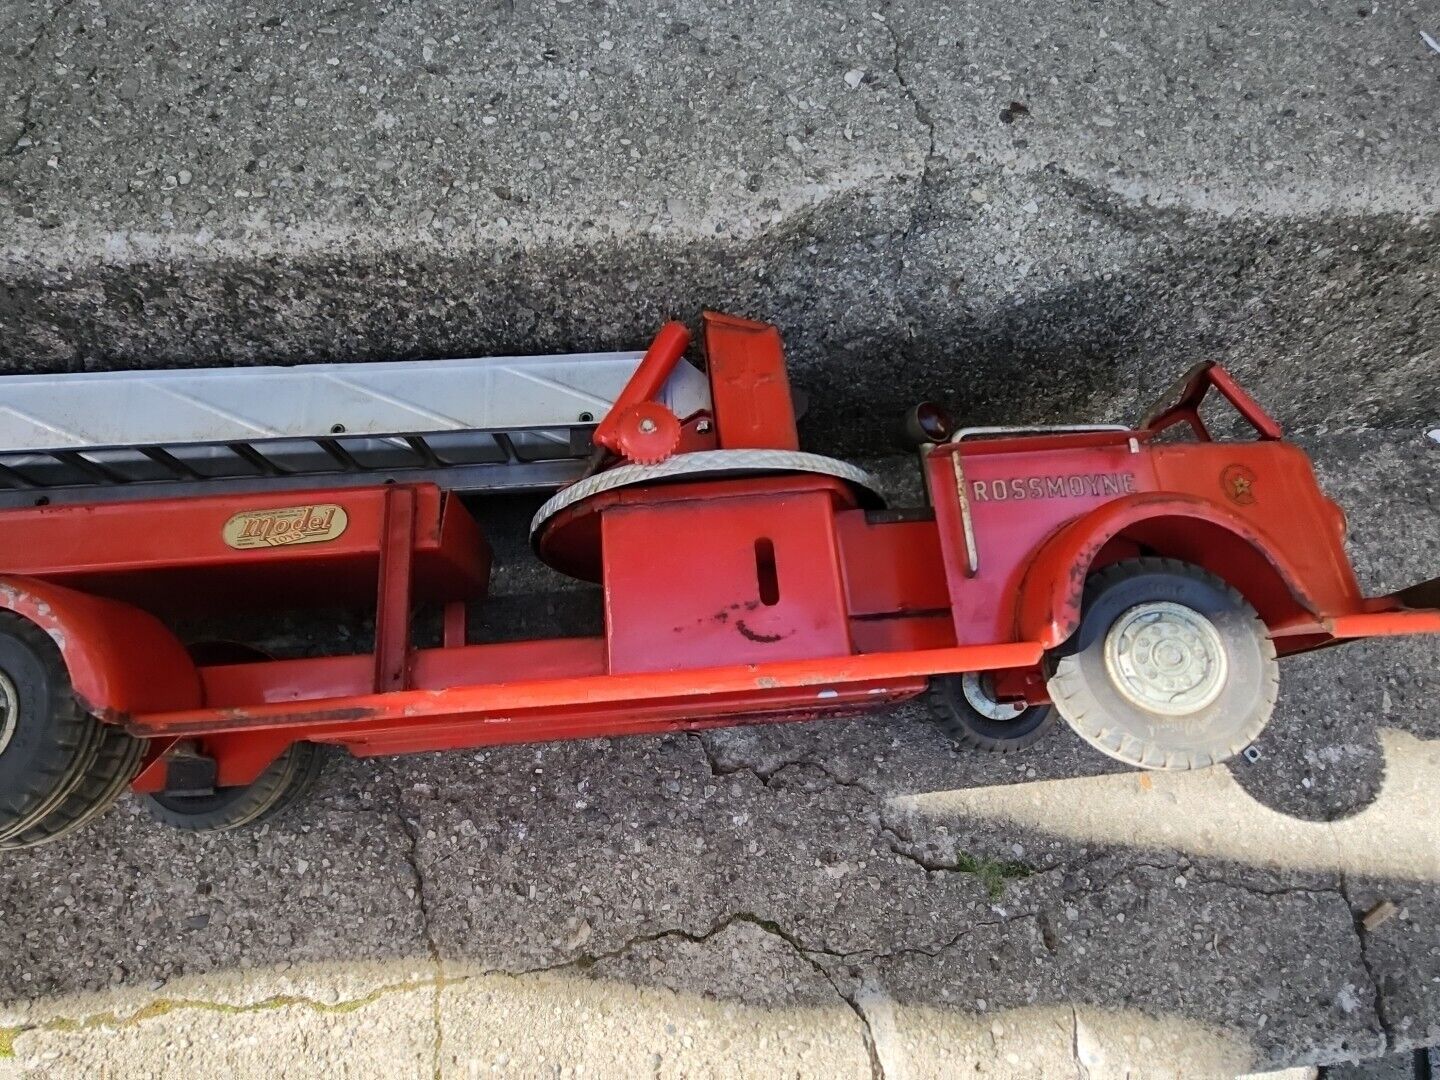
point(1170, 668)
point(284, 781)
point(48, 743)
point(966, 708)
point(115, 765)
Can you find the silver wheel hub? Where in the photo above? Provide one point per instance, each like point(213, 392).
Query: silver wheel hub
point(1166, 658)
point(977, 692)
point(9, 711)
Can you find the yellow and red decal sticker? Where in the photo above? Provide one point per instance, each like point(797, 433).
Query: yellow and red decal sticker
point(314, 523)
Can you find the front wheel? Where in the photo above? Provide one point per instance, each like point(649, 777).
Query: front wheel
point(1170, 668)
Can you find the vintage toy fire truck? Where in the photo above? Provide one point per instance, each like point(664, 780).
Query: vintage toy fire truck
point(1139, 585)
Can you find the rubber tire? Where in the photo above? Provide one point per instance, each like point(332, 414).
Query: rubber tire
point(115, 765)
point(1083, 692)
point(55, 741)
point(970, 728)
point(284, 781)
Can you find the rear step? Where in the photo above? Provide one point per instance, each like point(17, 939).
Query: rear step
point(489, 424)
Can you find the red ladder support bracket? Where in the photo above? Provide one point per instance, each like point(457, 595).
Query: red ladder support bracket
point(748, 385)
point(392, 604)
point(455, 625)
point(645, 384)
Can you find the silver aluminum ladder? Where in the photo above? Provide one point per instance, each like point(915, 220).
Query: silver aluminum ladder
point(502, 423)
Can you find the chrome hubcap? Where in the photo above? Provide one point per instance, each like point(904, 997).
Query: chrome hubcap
point(1166, 658)
point(9, 711)
point(977, 693)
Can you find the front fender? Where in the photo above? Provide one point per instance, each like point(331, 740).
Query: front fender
point(121, 660)
point(1048, 609)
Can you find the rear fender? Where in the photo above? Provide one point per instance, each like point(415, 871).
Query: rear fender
point(121, 660)
point(1177, 526)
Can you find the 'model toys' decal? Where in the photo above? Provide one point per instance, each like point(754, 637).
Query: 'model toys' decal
point(312, 524)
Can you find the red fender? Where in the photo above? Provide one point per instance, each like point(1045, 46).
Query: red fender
point(1048, 608)
point(121, 660)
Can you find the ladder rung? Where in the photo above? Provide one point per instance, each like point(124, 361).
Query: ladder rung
point(507, 445)
point(253, 457)
point(15, 479)
point(79, 461)
point(169, 461)
point(422, 448)
point(339, 455)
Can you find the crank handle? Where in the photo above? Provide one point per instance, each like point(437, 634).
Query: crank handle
point(647, 381)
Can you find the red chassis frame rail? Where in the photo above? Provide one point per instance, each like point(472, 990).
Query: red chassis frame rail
point(753, 597)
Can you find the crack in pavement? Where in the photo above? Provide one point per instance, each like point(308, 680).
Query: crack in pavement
point(586, 961)
point(719, 768)
point(992, 873)
point(1340, 891)
point(906, 307)
point(903, 308)
point(412, 857)
point(165, 1006)
point(945, 946)
point(807, 953)
point(922, 114)
point(872, 1049)
point(857, 1003)
point(28, 94)
point(895, 837)
point(862, 998)
point(1362, 936)
point(1188, 867)
point(1082, 1071)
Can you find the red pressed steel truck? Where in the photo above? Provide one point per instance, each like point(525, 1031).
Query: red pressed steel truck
point(1139, 585)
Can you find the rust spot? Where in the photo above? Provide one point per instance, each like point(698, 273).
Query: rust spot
point(752, 635)
point(721, 617)
point(106, 715)
point(241, 719)
point(902, 613)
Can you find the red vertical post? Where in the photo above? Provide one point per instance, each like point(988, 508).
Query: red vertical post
point(392, 604)
point(749, 389)
point(454, 631)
